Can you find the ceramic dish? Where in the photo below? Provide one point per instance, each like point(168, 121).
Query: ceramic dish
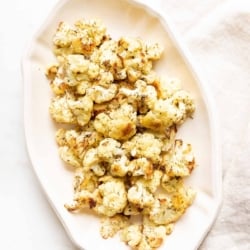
point(131, 19)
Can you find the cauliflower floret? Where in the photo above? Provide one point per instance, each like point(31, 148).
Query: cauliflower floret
point(91, 158)
point(57, 83)
point(144, 145)
point(68, 156)
point(111, 225)
point(67, 109)
point(58, 86)
point(118, 124)
point(109, 149)
point(77, 70)
point(113, 197)
point(153, 234)
point(137, 58)
point(166, 87)
point(82, 38)
point(162, 116)
point(82, 199)
point(82, 109)
point(80, 69)
point(61, 112)
point(141, 167)
point(168, 209)
point(52, 70)
point(153, 51)
point(140, 196)
point(181, 161)
point(162, 211)
point(132, 235)
point(100, 94)
point(78, 141)
point(143, 96)
point(91, 33)
point(110, 152)
point(183, 101)
point(109, 60)
point(92, 162)
point(129, 46)
point(85, 180)
point(168, 112)
point(77, 64)
point(64, 35)
point(182, 199)
point(120, 166)
point(135, 68)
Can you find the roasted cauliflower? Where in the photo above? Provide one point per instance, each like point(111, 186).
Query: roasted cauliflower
point(118, 124)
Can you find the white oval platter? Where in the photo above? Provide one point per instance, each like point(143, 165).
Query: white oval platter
point(122, 18)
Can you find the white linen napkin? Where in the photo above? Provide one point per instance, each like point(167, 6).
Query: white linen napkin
point(217, 33)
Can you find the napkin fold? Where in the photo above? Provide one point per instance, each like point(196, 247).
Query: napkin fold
point(217, 33)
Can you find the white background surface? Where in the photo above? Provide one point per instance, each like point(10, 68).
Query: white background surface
point(217, 34)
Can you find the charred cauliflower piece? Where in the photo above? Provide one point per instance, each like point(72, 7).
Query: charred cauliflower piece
point(113, 197)
point(91, 162)
point(82, 38)
point(145, 236)
point(54, 73)
point(109, 149)
point(141, 167)
point(171, 184)
point(143, 96)
point(61, 112)
point(168, 112)
point(132, 235)
point(120, 167)
point(109, 60)
point(68, 156)
point(67, 109)
point(111, 225)
point(162, 212)
point(118, 124)
point(85, 180)
point(137, 57)
point(180, 161)
point(64, 36)
point(166, 87)
point(153, 235)
point(168, 209)
point(82, 109)
point(83, 199)
point(144, 145)
point(78, 141)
